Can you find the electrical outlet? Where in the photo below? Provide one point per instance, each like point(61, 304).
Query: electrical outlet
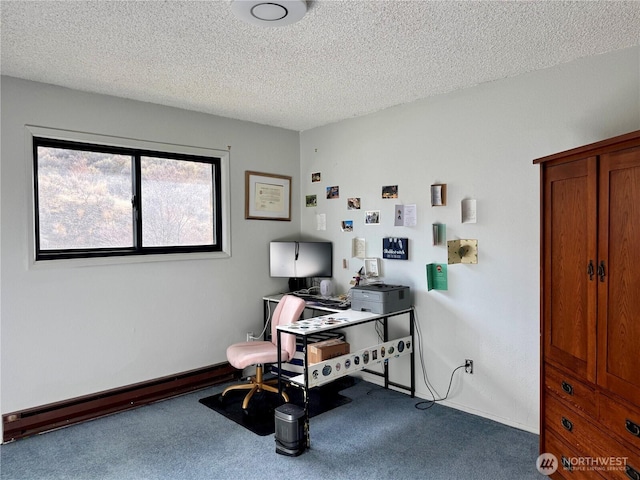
point(468, 366)
point(249, 336)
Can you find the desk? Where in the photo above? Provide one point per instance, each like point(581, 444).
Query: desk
point(329, 370)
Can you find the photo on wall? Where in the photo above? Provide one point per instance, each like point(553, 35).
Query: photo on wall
point(333, 192)
point(372, 217)
point(390, 191)
point(353, 203)
point(311, 200)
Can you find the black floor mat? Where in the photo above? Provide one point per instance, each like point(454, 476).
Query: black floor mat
point(259, 417)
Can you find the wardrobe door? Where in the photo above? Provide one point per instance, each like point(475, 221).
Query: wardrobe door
point(619, 279)
point(569, 266)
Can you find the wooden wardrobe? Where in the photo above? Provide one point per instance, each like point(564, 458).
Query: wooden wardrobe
point(590, 309)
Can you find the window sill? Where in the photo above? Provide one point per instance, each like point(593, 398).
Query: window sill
point(125, 260)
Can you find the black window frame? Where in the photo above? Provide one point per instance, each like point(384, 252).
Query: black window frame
point(136, 200)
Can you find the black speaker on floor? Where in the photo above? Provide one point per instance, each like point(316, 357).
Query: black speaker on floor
point(289, 430)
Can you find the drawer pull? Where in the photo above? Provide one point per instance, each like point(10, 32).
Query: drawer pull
point(631, 472)
point(567, 388)
point(632, 428)
point(566, 463)
point(567, 424)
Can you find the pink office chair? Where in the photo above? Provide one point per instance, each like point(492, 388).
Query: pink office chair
point(243, 354)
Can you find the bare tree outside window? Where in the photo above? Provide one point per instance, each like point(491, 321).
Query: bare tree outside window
point(177, 202)
point(84, 199)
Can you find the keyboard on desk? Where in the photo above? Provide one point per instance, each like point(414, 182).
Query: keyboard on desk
point(334, 303)
point(329, 303)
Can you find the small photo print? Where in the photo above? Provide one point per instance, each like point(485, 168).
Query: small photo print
point(347, 226)
point(312, 200)
point(372, 217)
point(353, 203)
point(333, 192)
point(315, 177)
point(390, 191)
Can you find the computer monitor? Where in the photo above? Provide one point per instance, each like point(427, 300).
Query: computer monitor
point(300, 261)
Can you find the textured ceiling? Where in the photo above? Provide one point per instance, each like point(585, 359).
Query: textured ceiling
point(343, 59)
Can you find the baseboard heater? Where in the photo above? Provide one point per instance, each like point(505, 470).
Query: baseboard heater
point(40, 419)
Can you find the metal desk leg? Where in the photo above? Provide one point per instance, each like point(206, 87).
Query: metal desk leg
point(278, 343)
point(306, 392)
point(412, 355)
point(386, 363)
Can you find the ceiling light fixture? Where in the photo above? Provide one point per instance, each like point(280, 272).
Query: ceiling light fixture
point(269, 13)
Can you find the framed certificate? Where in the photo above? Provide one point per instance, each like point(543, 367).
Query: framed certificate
point(267, 196)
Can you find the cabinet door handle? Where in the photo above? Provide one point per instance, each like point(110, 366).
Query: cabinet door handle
point(632, 428)
point(631, 472)
point(566, 463)
point(590, 270)
point(601, 272)
point(567, 424)
point(567, 388)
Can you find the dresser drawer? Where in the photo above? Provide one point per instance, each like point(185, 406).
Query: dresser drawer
point(594, 450)
point(618, 462)
point(573, 428)
point(565, 455)
point(573, 391)
point(621, 419)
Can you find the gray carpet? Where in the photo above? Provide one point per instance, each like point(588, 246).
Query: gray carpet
point(379, 435)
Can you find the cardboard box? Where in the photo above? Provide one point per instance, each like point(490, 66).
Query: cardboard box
point(327, 349)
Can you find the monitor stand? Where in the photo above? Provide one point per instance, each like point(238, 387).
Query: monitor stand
point(296, 284)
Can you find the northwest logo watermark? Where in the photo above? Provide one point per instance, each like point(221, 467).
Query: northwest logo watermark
point(548, 463)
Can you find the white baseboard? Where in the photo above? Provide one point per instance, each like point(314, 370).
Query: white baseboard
point(447, 403)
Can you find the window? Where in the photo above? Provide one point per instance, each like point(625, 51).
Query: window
point(96, 200)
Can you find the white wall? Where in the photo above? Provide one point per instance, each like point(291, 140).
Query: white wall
point(481, 142)
point(70, 331)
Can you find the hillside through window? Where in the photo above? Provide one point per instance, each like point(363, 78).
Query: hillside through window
point(96, 200)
